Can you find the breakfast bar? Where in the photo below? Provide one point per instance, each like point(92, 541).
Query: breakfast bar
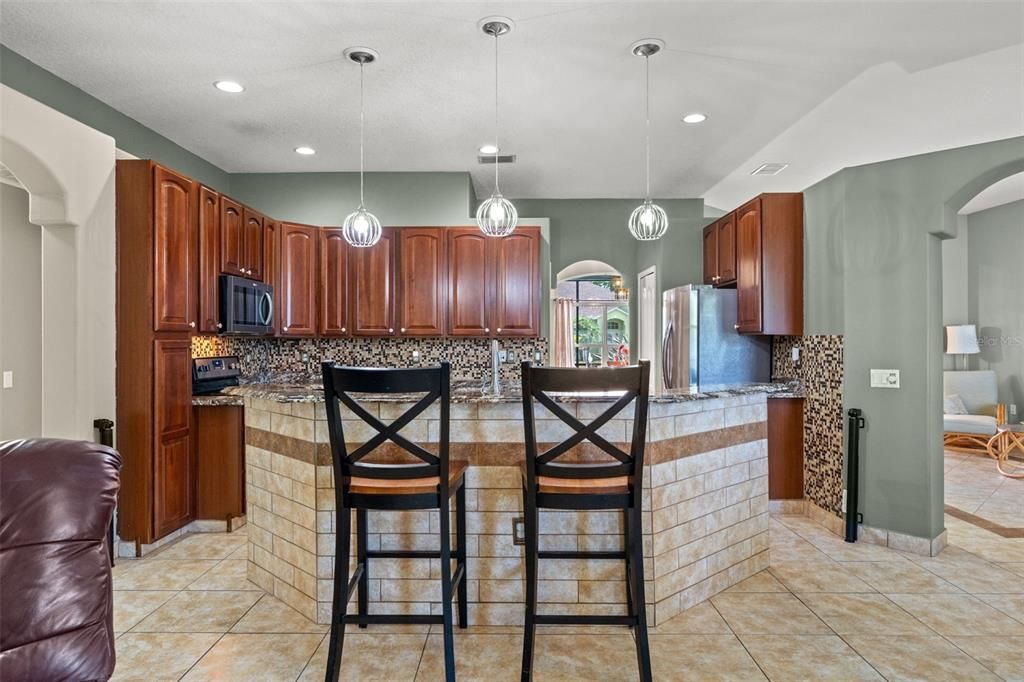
point(705, 504)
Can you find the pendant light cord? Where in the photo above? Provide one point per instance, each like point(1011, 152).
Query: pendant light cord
point(647, 114)
point(361, 64)
point(496, 149)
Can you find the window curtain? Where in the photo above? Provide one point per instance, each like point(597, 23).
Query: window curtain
point(562, 352)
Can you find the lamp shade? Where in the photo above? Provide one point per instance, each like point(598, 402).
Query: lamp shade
point(962, 338)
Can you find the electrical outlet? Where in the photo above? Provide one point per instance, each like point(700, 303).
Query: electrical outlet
point(519, 530)
point(843, 506)
point(795, 354)
point(305, 357)
point(536, 358)
point(8, 379)
point(885, 378)
point(415, 356)
point(502, 355)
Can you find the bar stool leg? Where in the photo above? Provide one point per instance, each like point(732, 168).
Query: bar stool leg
point(460, 554)
point(342, 544)
point(532, 549)
point(446, 593)
point(626, 545)
point(363, 560)
point(635, 549)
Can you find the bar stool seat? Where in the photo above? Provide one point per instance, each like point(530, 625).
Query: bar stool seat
point(606, 485)
point(406, 486)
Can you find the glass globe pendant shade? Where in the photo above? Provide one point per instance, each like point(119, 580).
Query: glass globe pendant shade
point(361, 228)
point(648, 221)
point(497, 217)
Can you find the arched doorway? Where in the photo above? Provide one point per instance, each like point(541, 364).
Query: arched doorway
point(591, 313)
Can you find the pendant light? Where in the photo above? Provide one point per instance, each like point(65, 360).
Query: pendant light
point(497, 217)
point(648, 220)
point(361, 228)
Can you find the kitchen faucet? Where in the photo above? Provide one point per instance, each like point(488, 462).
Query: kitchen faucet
point(495, 367)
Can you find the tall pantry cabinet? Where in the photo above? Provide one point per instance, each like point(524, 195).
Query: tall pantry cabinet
point(157, 244)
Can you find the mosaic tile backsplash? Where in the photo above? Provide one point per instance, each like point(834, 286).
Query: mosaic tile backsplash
point(820, 369)
point(470, 359)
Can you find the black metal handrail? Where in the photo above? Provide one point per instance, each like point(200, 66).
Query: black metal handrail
point(856, 423)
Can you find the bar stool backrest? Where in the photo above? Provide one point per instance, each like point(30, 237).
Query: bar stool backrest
point(340, 382)
point(633, 385)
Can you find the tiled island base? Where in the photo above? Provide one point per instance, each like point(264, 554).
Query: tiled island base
point(705, 503)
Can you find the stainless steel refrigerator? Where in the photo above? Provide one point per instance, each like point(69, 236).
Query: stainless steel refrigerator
point(700, 346)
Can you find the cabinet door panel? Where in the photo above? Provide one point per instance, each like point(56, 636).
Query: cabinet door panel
point(727, 250)
point(297, 295)
point(334, 273)
point(517, 283)
point(372, 287)
point(272, 267)
point(232, 243)
point(421, 276)
point(748, 267)
point(173, 255)
point(172, 406)
point(253, 240)
point(470, 281)
point(209, 260)
point(711, 254)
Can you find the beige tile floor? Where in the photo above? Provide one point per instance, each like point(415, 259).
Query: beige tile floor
point(824, 610)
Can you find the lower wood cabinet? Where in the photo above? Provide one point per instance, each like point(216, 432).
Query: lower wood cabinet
point(785, 448)
point(219, 447)
point(371, 286)
point(297, 279)
point(173, 501)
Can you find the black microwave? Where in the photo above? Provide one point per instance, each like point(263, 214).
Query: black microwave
point(246, 307)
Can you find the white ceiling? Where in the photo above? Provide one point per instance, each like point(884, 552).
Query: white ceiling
point(1005, 191)
point(571, 93)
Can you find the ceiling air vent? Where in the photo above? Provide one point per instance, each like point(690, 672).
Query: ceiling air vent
point(769, 169)
point(502, 158)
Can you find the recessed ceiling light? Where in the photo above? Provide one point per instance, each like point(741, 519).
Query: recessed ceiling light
point(489, 149)
point(305, 151)
point(769, 169)
point(229, 86)
point(695, 117)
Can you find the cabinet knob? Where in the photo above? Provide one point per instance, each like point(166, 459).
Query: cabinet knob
point(220, 326)
point(344, 329)
point(284, 329)
point(487, 330)
point(402, 330)
point(498, 330)
point(391, 330)
point(192, 324)
point(735, 326)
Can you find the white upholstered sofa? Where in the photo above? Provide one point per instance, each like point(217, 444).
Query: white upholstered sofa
point(978, 391)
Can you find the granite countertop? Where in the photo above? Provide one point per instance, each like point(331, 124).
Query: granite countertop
point(217, 400)
point(470, 392)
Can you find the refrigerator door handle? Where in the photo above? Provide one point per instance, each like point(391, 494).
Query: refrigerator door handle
point(666, 345)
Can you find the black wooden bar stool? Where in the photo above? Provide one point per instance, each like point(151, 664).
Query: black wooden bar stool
point(614, 483)
point(428, 484)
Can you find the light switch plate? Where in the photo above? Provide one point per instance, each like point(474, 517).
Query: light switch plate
point(885, 378)
point(795, 354)
point(502, 355)
point(8, 379)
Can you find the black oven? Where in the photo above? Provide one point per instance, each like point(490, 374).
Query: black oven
point(246, 307)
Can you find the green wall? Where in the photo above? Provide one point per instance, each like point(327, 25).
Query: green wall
point(20, 74)
point(995, 295)
point(875, 275)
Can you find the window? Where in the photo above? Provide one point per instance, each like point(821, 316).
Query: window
point(601, 322)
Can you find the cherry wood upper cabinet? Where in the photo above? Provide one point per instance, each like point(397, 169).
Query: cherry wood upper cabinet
point(334, 275)
point(252, 232)
point(271, 265)
point(711, 253)
point(232, 244)
point(422, 290)
point(297, 280)
point(372, 287)
point(470, 281)
point(769, 265)
point(727, 250)
point(748, 266)
point(517, 283)
point(173, 469)
point(209, 260)
point(173, 251)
